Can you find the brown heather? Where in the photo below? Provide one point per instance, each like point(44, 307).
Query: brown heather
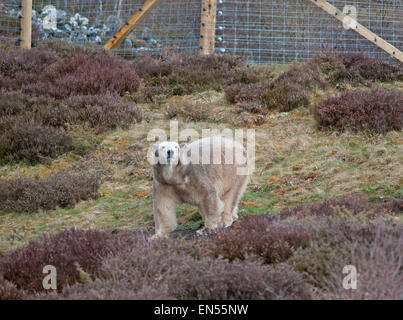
point(357, 68)
point(81, 75)
point(30, 141)
point(182, 74)
point(378, 110)
point(62, 189)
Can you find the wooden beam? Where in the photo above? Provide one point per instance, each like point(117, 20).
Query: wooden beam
point(26, 24)
point(207, 26)
point(366, 33)
point(128, 27)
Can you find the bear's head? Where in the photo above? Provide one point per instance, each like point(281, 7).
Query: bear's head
point(168, 152)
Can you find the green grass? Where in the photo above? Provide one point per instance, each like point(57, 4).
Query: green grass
point(295, 164)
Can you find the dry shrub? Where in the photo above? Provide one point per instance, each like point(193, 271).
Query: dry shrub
point(285, 96)
point(261, 236)
point(9, 291)
point(291, 89)
point(316, 241)
point(24, 266)
point(102, 112)
point(189, 111)
point(347, 205)
point(159, 271)
point(76, 254)
point(288, 91)
point(356, 67)
point(126, 266)
point(245, 92)
point(30, 141)
point(20, 67)
point(64, 49)
point(62, 189)
point(182, 74)
point(374, 248)
point(14, 103)
point(59, 70)
point(379, 110)
point(81, 75)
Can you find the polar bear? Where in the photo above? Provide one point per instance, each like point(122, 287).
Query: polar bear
point(211, 173)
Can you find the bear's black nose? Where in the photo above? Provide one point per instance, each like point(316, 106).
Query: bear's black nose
point(170, 153)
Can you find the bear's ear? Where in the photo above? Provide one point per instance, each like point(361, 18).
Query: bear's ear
point(155, 147)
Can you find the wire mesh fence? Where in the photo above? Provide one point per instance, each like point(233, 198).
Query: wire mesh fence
point(272, 31)
point(10, 12)
point(264, 31)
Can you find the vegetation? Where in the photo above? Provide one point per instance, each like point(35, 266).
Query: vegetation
point(73, 152)
point(378, 110)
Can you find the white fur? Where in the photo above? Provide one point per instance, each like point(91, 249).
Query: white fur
point(215, 188)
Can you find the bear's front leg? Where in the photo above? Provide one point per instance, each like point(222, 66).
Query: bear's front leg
point(164, 209)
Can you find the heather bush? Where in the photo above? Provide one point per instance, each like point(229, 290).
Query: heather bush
point(64, 49)
point(356, 67)
point(57, 69)
point(189, 111)
point(100, 265)
point(291, 89)
point(285, 96)
point(374, 248)
point(245, 93)
point(275, 237)
point(81, 75)
point(260, 236)
point(184, 74)
point(379, 110)
point(304, 75)
point(20, 67)
point(14, 103)
point(102, 112)
point(30, 141)
point(76, 254)
point(347, 205)
point(157, 271)
point(9, 291)
point(62, 189)
point(23, 267)
point(288, 91)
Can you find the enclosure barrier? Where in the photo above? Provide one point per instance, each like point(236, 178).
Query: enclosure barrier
point(264, 31)
point(26, 25)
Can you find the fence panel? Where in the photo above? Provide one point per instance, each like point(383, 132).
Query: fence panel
point(265, 31)
point(10, 11)
point(273, 31)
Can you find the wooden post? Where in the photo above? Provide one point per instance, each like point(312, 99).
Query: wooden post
point(366, 33)
point(128, 27)
point(207, 26)
point(26, 24)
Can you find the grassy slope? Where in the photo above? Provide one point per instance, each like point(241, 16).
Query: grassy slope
point(295, 163)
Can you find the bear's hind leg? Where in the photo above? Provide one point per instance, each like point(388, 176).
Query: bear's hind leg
point(232, 198)
point(227, 217)
point(211, 209)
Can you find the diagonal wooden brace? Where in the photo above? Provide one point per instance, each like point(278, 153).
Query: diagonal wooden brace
point(359, 28)
point(128, 27)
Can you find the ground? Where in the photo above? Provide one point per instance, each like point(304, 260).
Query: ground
point(295, 164)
